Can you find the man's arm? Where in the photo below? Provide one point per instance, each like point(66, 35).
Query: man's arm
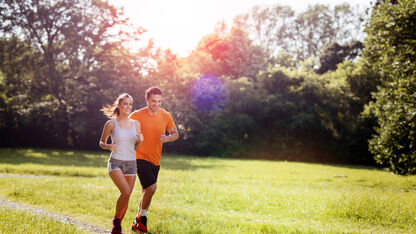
point(173, 136)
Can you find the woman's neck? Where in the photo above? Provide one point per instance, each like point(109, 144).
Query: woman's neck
point(122, 118)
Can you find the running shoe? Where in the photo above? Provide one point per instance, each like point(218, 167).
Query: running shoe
point(116, 226)
point(139, 224)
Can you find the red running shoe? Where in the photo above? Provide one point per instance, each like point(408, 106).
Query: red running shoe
point(116, 226)
point(139, 224)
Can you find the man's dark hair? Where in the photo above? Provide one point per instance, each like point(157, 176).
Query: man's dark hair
point(153, 90)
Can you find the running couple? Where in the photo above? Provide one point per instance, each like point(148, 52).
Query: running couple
point(136, 147)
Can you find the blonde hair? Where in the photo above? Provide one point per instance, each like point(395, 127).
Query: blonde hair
point(112, 111)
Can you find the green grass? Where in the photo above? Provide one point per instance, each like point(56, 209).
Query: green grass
point(53, 162)
point(211, 195)
point(16, 221)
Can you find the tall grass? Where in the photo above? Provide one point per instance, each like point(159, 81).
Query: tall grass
point(210, 195)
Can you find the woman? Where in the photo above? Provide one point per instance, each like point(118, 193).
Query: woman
point(125, 138)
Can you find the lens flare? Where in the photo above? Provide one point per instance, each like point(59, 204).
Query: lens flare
point(208, 93)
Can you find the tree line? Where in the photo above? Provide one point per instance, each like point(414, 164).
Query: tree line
point(323, 85)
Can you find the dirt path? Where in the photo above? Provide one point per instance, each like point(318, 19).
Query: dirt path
point(57, 217)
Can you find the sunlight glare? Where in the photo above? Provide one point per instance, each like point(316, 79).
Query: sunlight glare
point(175, 24)
point(181, 24)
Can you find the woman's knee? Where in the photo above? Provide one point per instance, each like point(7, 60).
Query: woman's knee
point(126, 192)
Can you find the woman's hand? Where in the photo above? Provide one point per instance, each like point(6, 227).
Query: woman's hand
point(112, 147)
point(140, 137)
point(139, 140)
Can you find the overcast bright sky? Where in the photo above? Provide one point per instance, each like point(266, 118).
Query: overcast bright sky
point(181, 24)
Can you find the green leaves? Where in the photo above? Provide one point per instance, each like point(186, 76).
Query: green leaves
point(390, 48)
point(61, 61)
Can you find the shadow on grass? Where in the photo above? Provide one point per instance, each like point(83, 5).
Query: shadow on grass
point(52, 157)
point(174, 162)
point(83, 158)
point(312, 161)
point(98, 159)
point(358, 167)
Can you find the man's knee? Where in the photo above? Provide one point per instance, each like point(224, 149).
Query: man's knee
point(151, 189)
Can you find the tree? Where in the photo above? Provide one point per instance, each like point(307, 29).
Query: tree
point(334, 54)
point(78, 57)
point(391, 48)
point(233, 53)
point(268, 27)
point(18, 63)
point(278, 30)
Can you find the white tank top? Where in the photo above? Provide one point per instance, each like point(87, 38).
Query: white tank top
point(125, 140)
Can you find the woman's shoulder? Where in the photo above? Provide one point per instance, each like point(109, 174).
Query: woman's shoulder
point(110, 123)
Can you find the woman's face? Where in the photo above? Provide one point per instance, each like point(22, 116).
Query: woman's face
point(125, 106)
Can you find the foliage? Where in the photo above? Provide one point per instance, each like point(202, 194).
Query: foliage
point(280, 114)
point(352, 84)
point(233, 52)
point(334, 54)
point(245, 91)
point(59, 58)
point(391, 48)
point(279, 30)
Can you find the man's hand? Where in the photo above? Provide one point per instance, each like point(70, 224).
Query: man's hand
point(163, 138)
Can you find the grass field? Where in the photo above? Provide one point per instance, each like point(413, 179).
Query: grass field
point(211, 195)
point(16, 221)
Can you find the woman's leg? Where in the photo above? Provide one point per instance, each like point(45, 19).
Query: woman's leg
point(125, 185)
point(130, 180)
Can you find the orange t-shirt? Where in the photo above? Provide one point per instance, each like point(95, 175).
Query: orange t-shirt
point(152, 127)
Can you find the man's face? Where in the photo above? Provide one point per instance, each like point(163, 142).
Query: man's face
point(154, 102)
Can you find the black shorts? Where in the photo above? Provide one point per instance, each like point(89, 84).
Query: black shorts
point(147, 172)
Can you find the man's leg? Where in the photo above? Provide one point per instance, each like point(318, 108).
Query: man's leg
point(147, 173)
point(147, 195)
point(140, 224)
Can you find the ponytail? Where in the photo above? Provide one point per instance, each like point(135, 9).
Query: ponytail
point(112, 111)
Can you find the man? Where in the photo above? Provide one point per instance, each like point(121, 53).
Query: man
point(154, 122)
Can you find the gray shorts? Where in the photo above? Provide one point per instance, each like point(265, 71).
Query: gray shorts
point(129, 168)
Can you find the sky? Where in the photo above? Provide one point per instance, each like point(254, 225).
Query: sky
point(181, 24)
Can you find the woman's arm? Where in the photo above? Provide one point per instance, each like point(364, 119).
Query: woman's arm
point(140, 137)
point(107, 130)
